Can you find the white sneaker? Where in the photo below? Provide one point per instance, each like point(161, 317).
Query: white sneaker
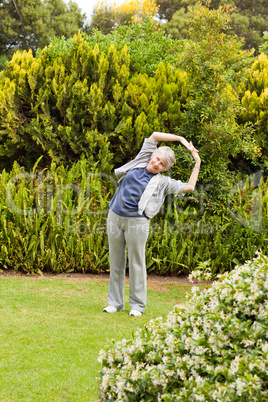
point(137, 313)
point(110, 309)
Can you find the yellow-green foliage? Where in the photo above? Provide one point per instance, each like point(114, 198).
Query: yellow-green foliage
point(55, 220)
point(106, 17)
point(83, 102)
point(138, 9)
point(255, 103)
point(216, 69)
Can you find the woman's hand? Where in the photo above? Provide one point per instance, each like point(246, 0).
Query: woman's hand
point(194, 152)
point(191, 147)
point(188, 145)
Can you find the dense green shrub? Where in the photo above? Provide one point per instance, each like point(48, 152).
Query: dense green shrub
point(81, 102)
point(55, 220)
point(254, 103)
point(216, 68)
point(60, 108)
point(99, 96)
point(248, 20)
point(146, 45)
point(264, 47)
point(215, 348)
point(86, 97)
point(96, 98)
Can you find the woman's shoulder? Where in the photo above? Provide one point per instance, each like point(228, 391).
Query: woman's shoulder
point(170, 185)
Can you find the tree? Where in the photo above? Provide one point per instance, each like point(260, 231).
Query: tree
point(107, 18)
point(177, 26)
point(30, 24)
point(264, 46)
point(167, 8)
point(216, 68)
point(255, 105)
point(103, 18)
point(147, 47)
point(248, 20)
point(74, 100)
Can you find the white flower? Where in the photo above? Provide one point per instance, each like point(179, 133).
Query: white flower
point(120, 386)
point(199, 397)
point(248, 342)
point(192, 337)
point(181, 374)
point(265, 347)
point(135, 375)
point(256, 326)
point(127, 360)
point(105, 381)
point(240, 385)
point(170, 340)
point(234, 367)
point(224, 293)
point(214, 303)
point(102, 356)
point(139, 344)
point(240, 297)
point(110, 359)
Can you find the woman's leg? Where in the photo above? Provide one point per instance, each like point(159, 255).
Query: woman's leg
point(117, 256)
point(136, 237)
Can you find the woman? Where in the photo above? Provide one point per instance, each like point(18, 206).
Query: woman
point(139, 197)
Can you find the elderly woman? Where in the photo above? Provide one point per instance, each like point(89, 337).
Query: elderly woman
point(139, 198)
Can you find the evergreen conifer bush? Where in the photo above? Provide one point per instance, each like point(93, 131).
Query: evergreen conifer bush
point(215, 348)
point(76, 101)
point(254, 105)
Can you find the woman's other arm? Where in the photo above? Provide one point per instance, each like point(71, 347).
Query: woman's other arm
point(169, 137)
point(190, 186)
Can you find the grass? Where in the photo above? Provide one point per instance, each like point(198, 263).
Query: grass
point(52, 329)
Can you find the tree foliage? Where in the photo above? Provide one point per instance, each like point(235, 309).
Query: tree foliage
point(248, 21)
point(146, 46)
point(255, 104)
point(106, 18)
point(54, 219)
point(83, 102)
point(264, 46)
point(89, 101)
point(99, 96)
point(216, 69)
point(30, 24)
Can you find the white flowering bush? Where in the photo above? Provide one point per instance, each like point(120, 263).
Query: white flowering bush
point(215, 348)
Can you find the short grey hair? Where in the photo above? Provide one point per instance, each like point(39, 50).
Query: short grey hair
point(168, 156)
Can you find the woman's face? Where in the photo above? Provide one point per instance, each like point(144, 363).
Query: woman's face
point(156, 164)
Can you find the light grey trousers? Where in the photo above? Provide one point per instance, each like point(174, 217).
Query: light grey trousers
point(131, 234)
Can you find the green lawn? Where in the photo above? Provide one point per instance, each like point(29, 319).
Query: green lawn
point(52, 329)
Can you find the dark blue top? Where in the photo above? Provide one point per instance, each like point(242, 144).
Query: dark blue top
point(126, 199)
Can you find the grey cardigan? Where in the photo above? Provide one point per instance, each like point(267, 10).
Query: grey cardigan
point(158, 187)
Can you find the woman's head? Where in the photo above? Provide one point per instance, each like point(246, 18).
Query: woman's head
point(162, 159)
point(167, 155)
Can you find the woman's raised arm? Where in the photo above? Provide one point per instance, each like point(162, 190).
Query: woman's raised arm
point(190, 186)
point(170, 137)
